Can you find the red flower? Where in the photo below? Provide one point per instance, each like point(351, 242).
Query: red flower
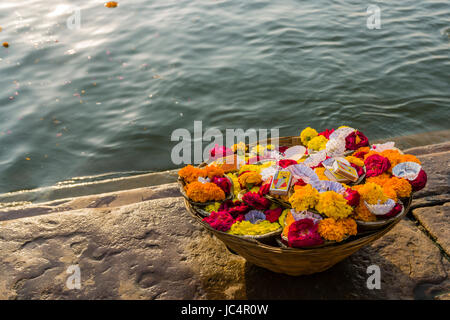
point(352, 197)
point(223, 183)
point(419, 182)
point(256, 201)
point(219, 152)
point(394, 211)
point(235, 209)
point(265, 188)
point(359, 154)
point(284, 163)
point(350, 140)
point(273, 215)
point(221, 220)
point(376, 165)
point(282, 149)
point(359, 170)
point(300, 183)
point(326, 133)
point(303, 233)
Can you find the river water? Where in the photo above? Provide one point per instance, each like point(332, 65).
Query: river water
point(105, 95)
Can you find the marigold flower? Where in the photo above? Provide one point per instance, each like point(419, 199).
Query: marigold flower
point(362, 213)
point(190, 173)
point(336, 230)
point(307, 134)
point(317, 143)
point(372, 193)
point(239, 147)
point(401, 186)
point(248, 228)
point(213, 171)
point(357, 161)
point(333, 205)
point(203, 192)
point(236, 184)
point(409, 157)
point(111, 4)
point(304, 198)
point(250, 177)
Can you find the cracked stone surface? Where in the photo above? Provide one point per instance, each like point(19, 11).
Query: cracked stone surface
point(142, 244)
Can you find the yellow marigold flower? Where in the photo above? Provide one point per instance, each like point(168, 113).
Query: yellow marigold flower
point(304, 198)
point(213, 207)
point(258, 149)
point(336, 230)
point(203, 192)
point(307, 134)
point(372, 193)
point(333, 205)
point(248, 228)
point(343, 127)
point(356, 161)
point(380, 180)
point(282, 217)
point(317, 143)
point(320, 171)
point(250, 177)
point(254, 189)
point(236, 184)
point(270, 147)
point(288, 220)
point(239, 147)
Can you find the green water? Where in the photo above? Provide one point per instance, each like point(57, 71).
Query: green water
point(107, 96)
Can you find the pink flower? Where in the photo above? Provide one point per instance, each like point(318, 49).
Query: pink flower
point(223, 183)
point(350, 140)
point(352, 197)
point(303, 233)
point(326, 133)
point(219, 152)
point(419, 182)
point(376, 165)
point(221, 220)
point(273, 215)
point(256, 201)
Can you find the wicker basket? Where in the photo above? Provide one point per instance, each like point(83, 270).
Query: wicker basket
point(294, 261)
point(264, 252)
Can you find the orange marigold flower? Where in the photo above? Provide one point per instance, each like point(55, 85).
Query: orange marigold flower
point(370, 153)
point(203, 192)
point(363, 213)
point(409, 157)
point(111, 4)
point(250, 177)
point(362, 149)
point(213, 171)
point(336, 230)
point(401, 186)
point(190, 173)
point(390, 193)
point(394, 157)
